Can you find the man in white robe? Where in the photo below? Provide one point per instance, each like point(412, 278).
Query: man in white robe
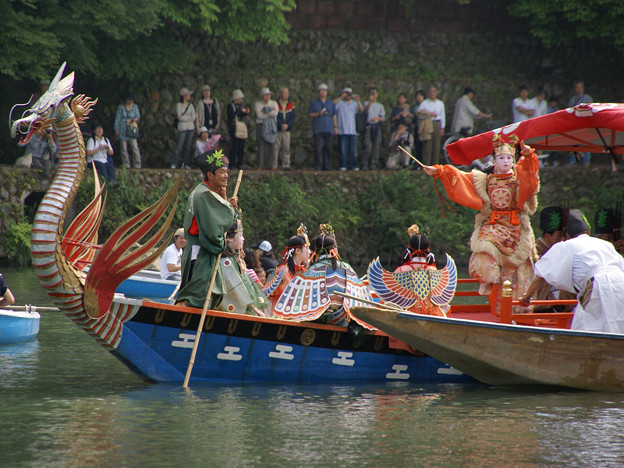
point(592, 269)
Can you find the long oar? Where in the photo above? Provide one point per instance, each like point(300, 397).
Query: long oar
point(201, 322)
point(409, 154)
point(31, 308)
point(206, 303)
point(373, 303)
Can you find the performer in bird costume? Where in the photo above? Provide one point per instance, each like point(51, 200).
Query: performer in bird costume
point(311, 295)
point(417, 285)
point(296, 257)
point(502, 242)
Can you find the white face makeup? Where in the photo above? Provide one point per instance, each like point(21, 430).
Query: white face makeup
point(503, 163)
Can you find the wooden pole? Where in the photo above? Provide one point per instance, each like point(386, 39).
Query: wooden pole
point(207, 302)
point(375, 304)
point(31, 308)
point(409, 154)
point(201, 322)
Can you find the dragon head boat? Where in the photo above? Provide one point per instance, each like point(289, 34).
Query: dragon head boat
point(153, 339)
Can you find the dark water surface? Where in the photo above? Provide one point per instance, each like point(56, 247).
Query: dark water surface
point(65, 401)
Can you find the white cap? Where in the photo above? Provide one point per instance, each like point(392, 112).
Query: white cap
point(322, 86)
point(347, 90)
point(264, 91)
point(265, 246)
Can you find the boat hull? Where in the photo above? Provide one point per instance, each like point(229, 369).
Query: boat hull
point(147, 284)
point(157, 339)
point(18, 326)
point(511, 355)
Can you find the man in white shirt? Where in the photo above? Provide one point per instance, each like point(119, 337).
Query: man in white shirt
point(522, 107)
point(592, 269)
point(433, 108)
point(171, 261)
point(465, 112)
point(539, 103)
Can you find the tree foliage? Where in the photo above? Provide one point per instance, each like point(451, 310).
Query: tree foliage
point(113, 38)
point(563, 22)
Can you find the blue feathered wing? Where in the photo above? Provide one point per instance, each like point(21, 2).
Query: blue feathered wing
point(405, 288)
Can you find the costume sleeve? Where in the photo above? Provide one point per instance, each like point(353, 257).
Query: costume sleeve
point(459, 186)
point(214, 218)
point(527, 171)
point(555, 267)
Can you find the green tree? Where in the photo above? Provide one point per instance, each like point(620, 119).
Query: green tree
point(113, 38)
point(563, 22)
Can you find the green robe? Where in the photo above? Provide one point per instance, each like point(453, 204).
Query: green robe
point(214, 217)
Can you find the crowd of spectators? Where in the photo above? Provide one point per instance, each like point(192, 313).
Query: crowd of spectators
point(344, 125)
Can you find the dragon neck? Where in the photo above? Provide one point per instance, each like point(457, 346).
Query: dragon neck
point(62, 281)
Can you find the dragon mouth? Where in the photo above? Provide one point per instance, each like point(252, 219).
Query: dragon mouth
point(34, 128)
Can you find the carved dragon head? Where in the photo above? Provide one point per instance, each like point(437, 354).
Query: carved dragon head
point(46, 110)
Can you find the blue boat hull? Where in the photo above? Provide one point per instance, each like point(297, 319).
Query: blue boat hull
point(157, 343)
point(16, 326)
point(143, 285)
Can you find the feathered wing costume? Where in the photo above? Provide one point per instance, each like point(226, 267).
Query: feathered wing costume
point(423, 291)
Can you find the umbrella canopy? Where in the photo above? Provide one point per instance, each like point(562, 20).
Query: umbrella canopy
point(591, 128)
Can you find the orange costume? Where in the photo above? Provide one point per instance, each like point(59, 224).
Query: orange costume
point(502, 242)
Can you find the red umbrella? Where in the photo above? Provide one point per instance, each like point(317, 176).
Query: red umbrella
point(591, 128)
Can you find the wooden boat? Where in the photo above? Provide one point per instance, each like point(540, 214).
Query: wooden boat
point(499, 351)
point(155, 339)
point(18, 326)
point(508, 354)
point(148, 284)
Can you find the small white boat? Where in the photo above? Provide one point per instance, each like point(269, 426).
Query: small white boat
point(17, 326)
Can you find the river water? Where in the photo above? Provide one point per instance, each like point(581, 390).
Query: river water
point(67, 402)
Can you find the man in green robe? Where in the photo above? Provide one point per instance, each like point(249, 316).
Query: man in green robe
point(208, 216)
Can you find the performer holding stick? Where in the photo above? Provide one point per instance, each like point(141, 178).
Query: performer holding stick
point(208, 216)
point(502, 243)
point(215, 169)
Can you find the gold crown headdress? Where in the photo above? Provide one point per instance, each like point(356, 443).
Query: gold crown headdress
point(303, 232)
point(505, 147)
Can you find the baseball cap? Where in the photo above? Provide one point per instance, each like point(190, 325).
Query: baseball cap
point(347, 90)
point(265, 246)
point(322, 86)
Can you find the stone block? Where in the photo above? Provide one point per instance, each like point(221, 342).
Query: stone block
point(346, 8)
point(316, 22)
point(367, 9)
point(327, 7)
point(335, 22)
point(306, 7)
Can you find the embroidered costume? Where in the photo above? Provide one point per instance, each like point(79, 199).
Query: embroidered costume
point(502, 242)
point(289, 269)
point(312, 295)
